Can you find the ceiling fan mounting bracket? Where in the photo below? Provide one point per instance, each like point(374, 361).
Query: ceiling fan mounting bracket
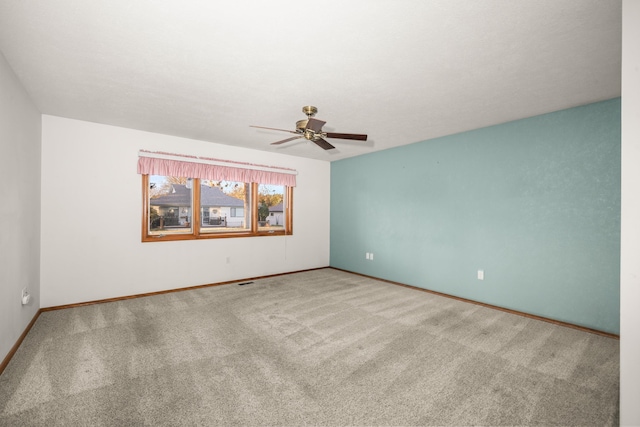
point(309, 110)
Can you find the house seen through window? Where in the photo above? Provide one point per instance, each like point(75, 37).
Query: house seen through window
point(179, 208)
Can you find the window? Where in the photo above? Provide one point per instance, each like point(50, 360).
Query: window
point(223, 204)
point(271, 212)
point(179, 208)
point(189, 197)
point(170, 206)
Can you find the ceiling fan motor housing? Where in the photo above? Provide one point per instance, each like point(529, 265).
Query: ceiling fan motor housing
point(301, 125)
point(310, 111)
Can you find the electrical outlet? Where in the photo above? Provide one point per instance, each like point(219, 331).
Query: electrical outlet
point(367, 255)
point(25, 298)
point(371, 256)
point(480, 274)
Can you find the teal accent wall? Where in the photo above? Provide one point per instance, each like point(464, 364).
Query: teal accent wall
point(535, 203)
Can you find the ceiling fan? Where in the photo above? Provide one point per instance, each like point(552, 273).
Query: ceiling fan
point(311, 129)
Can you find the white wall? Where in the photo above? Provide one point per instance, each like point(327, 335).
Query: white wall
point(630, 233)
point(94, 250)
point(20, 213)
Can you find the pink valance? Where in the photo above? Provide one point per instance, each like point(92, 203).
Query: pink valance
point(167, 164)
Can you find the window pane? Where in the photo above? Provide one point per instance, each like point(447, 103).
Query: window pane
point(170, 205)
point(225, 206)
point(271, 212)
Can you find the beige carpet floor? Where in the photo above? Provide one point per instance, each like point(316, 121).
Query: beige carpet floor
point(322, 347)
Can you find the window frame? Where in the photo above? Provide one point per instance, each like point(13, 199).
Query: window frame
point(196, 224)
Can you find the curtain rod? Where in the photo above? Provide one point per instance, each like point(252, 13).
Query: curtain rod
point(204, 160)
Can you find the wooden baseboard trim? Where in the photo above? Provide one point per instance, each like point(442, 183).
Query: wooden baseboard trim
point(15, 347)
point(169, 291)
point(495, 307)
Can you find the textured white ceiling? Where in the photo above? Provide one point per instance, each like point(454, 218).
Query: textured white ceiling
point(401, 71)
